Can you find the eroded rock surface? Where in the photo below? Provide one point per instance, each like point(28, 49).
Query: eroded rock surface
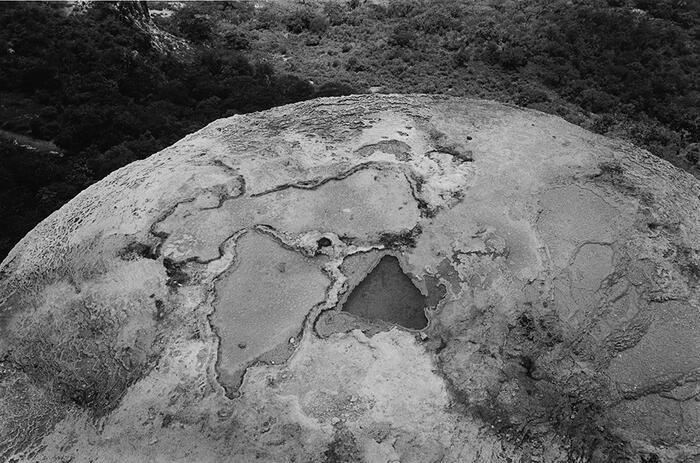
point(365, 279)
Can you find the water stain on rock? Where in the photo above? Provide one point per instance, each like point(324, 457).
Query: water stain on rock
point(388, 294)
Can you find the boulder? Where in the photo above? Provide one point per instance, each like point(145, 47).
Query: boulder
point(366, 278)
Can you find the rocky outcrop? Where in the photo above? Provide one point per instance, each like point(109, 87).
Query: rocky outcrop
point(241, 295)
point(137, 11)
point(138, 14)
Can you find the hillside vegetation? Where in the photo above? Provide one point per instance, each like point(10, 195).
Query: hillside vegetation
point(101, 87)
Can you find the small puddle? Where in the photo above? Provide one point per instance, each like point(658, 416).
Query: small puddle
point(388, 294)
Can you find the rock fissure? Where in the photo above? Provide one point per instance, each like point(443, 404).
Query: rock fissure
point(313, 184)
point(416, 184)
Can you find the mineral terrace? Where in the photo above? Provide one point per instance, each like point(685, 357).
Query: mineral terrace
point(362, 279)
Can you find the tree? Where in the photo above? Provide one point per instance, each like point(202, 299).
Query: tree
point(194, 27)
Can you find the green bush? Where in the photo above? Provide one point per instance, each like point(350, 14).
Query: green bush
point(335, 12)
point(303, 19)
point(597, 101)
point(318, 24)
point(236, 40)
point(512, 56)
point(403, 36)
point(193, 26)
point(531, 95)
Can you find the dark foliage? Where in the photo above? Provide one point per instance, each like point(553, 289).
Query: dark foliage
point(32, 185)
point(304, 19)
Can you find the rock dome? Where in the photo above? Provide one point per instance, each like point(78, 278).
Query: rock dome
point(374, 278)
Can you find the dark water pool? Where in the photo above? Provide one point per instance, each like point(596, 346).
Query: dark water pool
point(388, 294)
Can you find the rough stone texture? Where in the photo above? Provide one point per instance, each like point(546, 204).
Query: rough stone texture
point(189, 306)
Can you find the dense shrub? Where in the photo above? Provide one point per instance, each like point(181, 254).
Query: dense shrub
point(597, 101)
point(530, 95)
point(512, 56)
point(192, 26)
point(303, 19)
point(335, 12)
point(403, 36)
point(236, 40)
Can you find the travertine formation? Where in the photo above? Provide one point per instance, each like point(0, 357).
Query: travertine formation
point(240, 295)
